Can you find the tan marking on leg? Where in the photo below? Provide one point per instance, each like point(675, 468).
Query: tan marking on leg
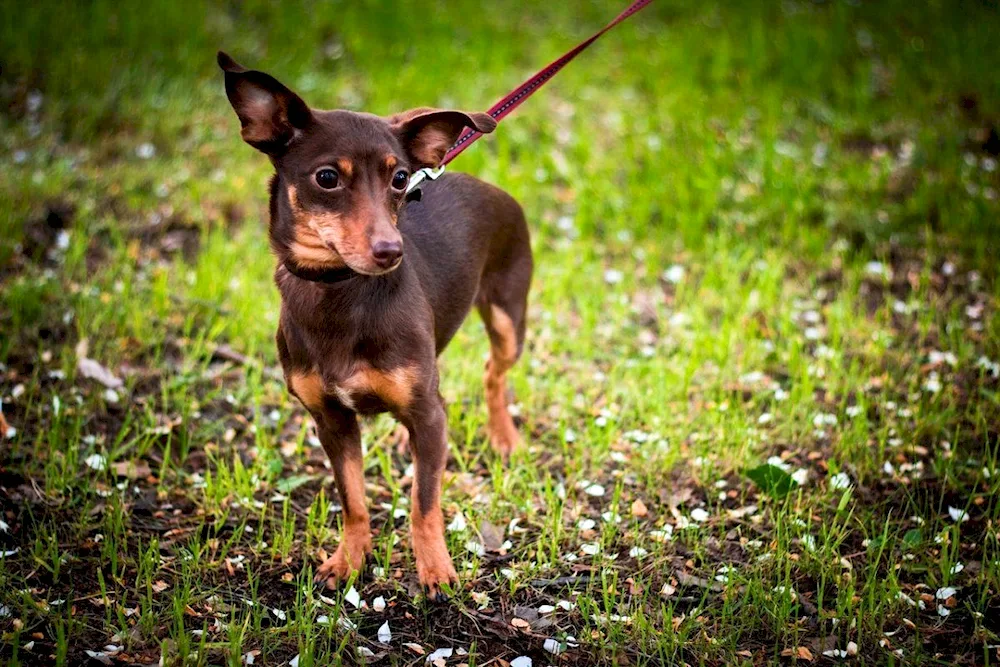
point(308, 388)
point(356, 538)
point(503, 353)
point(504, 328)
point(434, 566)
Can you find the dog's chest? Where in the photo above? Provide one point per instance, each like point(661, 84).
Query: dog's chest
point(369, 389)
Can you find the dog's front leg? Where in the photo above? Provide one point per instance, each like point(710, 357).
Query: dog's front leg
point(429, 444)
point(341, 438)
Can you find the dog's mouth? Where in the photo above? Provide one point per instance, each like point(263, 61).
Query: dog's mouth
point(364, 266)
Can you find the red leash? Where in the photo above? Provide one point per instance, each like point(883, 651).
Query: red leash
point(526, 89)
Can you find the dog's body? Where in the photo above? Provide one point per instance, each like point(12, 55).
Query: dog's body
point(360, 328)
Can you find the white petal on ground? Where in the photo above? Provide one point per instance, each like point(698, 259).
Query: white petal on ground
point(552, 646)
point(958, 515)
point(591, 549)
point(281, 616)
point(957, 567)
point(378, 604)
point(521, 661)
point(840, 481)
point(440, 653)
point(96, 461)
point(674, 274)
point(474, 547)
point(699, 515)
point(637, 552)
point(835, 653)
point(366, 652)
point(594, 490)
point(458, 524)
point(586, 524)
point(546, 609)
point(801, 476)
point(92, 370)
point(353, 597)
point(779, 462)
point(946, 592)
point(294, 662)
point(384, 633)
point(943, 611)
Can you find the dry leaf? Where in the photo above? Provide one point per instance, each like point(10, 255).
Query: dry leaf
point(132, 469)
point(639, 508)
point(491, 535)
point(799, 653)
point(160, 586)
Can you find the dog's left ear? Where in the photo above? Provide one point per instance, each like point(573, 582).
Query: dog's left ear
point(270, 113)
point(427, 134)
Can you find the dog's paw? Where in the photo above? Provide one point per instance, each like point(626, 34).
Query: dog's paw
point(504, 438)
point(344, 562)
point(434, 574)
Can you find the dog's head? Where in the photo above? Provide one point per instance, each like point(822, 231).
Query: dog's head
point(341, 175)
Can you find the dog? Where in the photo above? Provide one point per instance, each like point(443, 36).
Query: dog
point(374, 284)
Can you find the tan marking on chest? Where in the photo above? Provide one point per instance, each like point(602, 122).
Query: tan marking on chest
point(394, 387)
point(308, 387)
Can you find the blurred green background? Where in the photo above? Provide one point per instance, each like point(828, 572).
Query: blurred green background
point(748, 218)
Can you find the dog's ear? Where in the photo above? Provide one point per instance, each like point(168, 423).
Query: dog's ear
point(270, 113)
point(427, 134)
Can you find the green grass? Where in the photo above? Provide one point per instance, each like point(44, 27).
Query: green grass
point(761, 230)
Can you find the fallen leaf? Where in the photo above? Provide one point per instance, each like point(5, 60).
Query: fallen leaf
point(132, 469)
point(639, 508)
point(491, 536)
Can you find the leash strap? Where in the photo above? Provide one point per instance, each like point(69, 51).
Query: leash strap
point(526, 89)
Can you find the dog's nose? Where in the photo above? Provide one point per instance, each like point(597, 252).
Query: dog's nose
point(387, 253)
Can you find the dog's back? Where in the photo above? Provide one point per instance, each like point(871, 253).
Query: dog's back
point(460, 231)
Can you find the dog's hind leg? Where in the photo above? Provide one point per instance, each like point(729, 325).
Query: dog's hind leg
point(503, 303)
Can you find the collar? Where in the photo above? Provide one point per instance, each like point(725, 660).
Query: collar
point(327, 276)
point(421, 175)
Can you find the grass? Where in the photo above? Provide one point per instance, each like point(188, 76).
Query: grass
point(763, 232)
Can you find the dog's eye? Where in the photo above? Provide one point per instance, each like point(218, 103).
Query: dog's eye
point(399, 180)
point(327, 179)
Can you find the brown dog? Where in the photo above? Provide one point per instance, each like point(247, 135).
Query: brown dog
point(361, 326)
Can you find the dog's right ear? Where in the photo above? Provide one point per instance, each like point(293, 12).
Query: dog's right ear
point(270, 113)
